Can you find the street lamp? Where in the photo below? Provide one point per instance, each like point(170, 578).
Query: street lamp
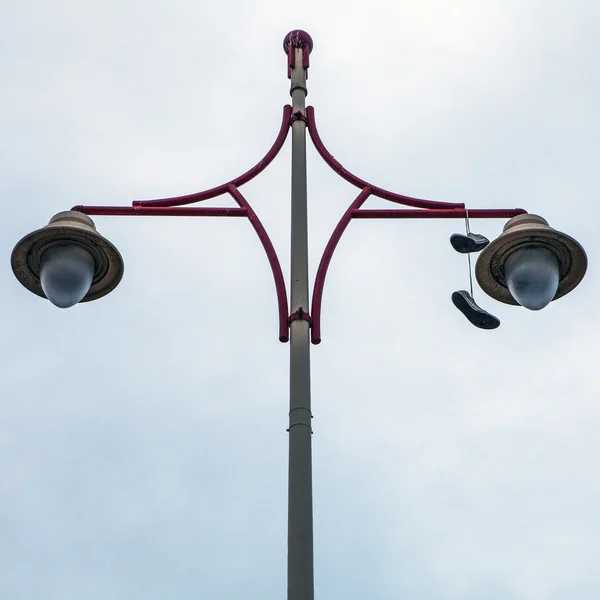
point(530, 263)
point(68, 261)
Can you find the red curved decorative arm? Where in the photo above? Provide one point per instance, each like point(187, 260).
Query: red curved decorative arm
point(375, 191)
point(273, 261)
point(315, 333)
point(428, 209)
point(238, 181)
point(173, 207)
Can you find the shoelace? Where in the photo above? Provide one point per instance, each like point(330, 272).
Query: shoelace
point(468, 230)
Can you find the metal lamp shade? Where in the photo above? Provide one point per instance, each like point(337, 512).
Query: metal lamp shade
point(68, 227)
point(532, 231)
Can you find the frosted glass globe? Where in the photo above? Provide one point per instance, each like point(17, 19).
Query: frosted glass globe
point(532, 276)
point(66, 274)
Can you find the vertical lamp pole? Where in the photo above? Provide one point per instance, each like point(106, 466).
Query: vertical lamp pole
point(300, 519)
point(52, 259)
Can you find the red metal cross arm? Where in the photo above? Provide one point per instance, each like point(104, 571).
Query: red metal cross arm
point(427, 209)
point(421, 209)
point(175, 207)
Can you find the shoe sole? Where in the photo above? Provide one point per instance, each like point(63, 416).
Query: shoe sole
point(466, 245)
point(477, 316)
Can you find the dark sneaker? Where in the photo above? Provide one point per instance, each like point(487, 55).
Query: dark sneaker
point(479, 317)
point(470, 242)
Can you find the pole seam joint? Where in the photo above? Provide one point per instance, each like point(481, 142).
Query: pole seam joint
point(299, 87)
point(301, 408)
point(296, 424)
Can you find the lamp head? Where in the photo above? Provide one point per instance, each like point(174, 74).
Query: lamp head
point(67, 261)
point(530, 263)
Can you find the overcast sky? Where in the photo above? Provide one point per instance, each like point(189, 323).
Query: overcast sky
point(143, 445)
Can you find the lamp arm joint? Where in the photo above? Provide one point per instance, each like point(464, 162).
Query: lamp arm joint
point(300, 314)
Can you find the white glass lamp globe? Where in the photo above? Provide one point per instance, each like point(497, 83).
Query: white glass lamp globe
point(66, 274)
point(532, 276)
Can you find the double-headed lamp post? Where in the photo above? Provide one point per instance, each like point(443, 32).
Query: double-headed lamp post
point(530, 264)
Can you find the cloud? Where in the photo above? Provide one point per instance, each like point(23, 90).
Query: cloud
point(143, 436)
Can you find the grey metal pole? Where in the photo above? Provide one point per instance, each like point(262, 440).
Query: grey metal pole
point(300, 517)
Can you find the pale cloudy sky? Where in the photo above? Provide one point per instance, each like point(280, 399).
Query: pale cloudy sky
point(143, 452)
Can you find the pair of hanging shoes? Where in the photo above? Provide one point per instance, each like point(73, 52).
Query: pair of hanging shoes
point(465, 244)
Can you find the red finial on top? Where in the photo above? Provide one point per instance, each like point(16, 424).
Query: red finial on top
point(297, 39)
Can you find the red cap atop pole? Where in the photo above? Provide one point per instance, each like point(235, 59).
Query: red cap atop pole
point(297, 39)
